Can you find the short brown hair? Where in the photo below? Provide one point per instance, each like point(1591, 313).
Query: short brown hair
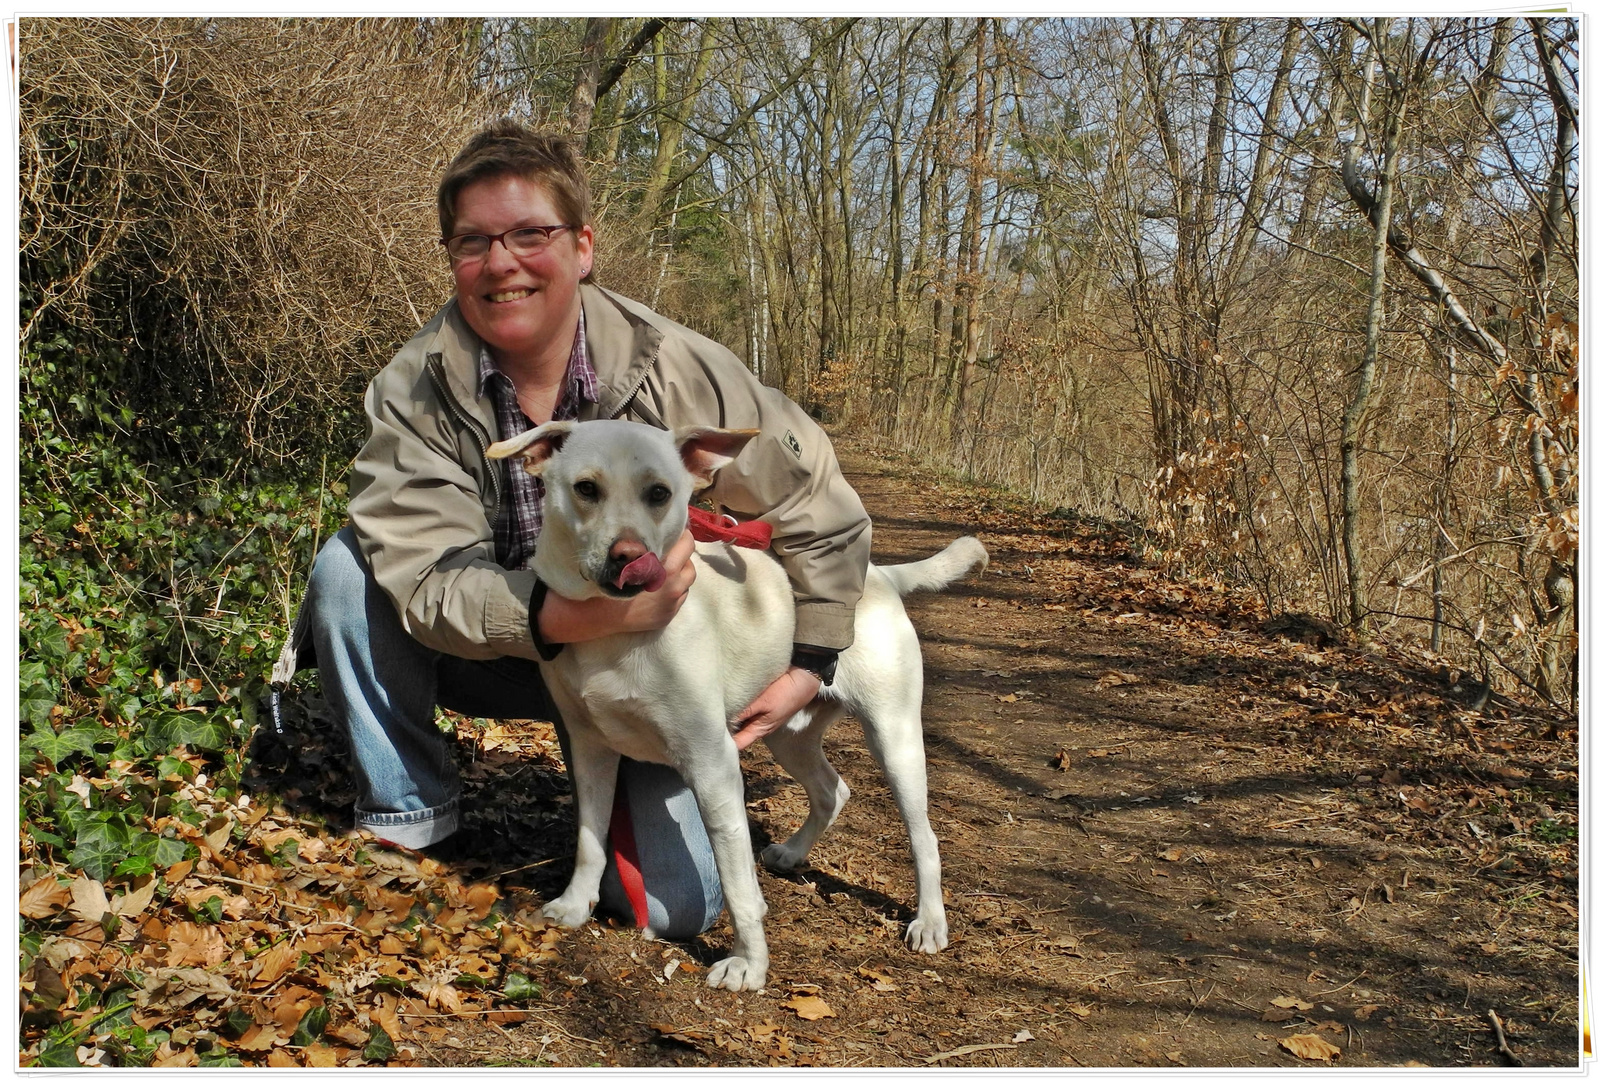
point(508, 148)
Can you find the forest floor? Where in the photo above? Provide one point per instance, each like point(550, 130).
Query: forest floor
point(1171, 835)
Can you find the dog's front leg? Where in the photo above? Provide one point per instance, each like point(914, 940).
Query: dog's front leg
point(718, 787)
point(593, 768)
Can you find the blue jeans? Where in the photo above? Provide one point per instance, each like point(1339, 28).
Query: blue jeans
point(384, 685)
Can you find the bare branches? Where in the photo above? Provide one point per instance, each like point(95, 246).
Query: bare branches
point(632, 49)
point(1122, 264)
point(1418, 265)
point(259, 191)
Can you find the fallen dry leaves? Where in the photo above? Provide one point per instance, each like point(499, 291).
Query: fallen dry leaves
point(44, 898)
point(878, 979)
point(281, 948)
point(806, 1003)
point(1310, 1047)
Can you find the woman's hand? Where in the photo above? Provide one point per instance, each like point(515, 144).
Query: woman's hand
point(562, 620)
point(773, 707)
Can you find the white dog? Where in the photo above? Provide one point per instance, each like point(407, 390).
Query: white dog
point(616, 498)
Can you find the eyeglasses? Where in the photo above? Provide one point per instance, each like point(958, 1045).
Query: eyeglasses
point(527, 240)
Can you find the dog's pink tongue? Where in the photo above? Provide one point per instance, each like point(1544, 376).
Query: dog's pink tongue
point(646, 569)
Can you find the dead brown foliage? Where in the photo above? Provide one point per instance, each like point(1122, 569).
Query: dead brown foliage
point(248, 200)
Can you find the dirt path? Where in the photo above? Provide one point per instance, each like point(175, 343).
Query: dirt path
point(1168, 839)
point(1226, 832)
point(1253, 841)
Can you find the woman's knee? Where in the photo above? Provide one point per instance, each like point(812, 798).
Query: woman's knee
point(339, 576)
point(339, 586)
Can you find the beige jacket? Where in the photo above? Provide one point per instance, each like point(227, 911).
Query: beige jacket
point(424, 496)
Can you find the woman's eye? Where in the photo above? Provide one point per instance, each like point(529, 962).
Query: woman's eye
point(658, 494)
point(587, 489)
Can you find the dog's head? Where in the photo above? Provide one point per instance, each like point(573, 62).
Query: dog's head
point(616, 498)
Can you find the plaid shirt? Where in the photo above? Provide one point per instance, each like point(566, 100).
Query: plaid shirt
point(517, 528)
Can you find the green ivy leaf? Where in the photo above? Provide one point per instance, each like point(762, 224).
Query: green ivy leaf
point(171, 768)
point(57, 746)
point(40, 836)
point(379, 1047)
point(100, 846)
point(117, 1006)
point(284, 854)
point(311, 1027)
point(38, 692)
point(169, 850)
point(134, 1047)
point(518, 987)
point(60, 1054)
point(160, 850)
point(49, 641)
point(137, 866)
point(31, 943)
point(218, 1058)
point(199, 730)
point(238, 1022)
point(69, 812)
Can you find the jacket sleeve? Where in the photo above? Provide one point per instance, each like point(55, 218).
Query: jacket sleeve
point(787, 476)
point(419, 517)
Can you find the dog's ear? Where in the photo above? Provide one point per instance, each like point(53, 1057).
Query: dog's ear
point(706, 449)
point(534, 447)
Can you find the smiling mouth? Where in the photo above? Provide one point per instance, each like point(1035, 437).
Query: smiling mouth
point(508, 297)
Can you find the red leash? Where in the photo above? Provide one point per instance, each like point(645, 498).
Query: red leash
point(709, 528)
point(627, 856)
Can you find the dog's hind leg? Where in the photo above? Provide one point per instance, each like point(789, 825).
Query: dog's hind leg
point(893, 728)
point(800, 754)
point(593, 768)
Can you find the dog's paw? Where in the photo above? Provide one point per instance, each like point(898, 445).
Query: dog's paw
point(779, 857)
point(737, 973)
point(927, 934)
point(568, 911)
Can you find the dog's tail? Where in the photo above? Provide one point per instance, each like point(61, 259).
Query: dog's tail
point(951, 564)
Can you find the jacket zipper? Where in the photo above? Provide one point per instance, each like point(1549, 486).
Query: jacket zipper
point(471, 425)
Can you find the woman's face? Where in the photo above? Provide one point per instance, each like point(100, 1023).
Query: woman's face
point(524, 307)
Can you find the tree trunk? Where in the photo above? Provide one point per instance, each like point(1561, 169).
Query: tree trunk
point(673, 119)
point(1356, 411)
point(580, 108)
point(828, 324)
point(964, 327)
point(1441, 541)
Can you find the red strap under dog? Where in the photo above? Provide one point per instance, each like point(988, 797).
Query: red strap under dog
point(708, 528)
point(627, 856)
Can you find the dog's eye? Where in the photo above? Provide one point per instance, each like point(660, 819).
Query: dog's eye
point(586, 489)
point(657, 494)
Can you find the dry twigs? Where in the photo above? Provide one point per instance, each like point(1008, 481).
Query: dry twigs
point(244, 204)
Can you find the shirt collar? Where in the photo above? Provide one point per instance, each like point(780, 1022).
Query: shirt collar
point(581, 380)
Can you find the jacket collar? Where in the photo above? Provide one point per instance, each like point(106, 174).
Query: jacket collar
point(623, 345)
point(454, 349)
